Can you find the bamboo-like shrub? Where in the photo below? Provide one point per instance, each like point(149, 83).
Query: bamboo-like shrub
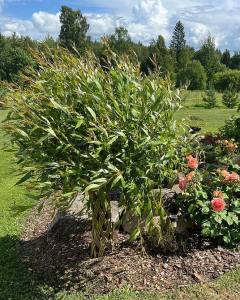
point(79, 127)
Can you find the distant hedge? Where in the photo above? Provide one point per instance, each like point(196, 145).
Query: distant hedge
point(226, 80)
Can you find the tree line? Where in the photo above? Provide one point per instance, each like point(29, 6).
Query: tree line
point(181, 62)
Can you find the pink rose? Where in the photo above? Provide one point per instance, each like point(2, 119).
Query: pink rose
point(218, 204)
point(192, 162)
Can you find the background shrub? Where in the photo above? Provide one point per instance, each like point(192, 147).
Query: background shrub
point(230, 98)
point(80, 128)
point(231, 129)
point(226, 80)
point(210, 98)
point(192, 75)
point(12, 62)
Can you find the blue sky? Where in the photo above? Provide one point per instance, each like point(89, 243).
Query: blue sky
point(145, 19)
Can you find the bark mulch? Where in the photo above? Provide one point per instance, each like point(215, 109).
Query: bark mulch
point(61, 259)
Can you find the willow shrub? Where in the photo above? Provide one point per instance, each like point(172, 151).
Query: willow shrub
point(79, 128)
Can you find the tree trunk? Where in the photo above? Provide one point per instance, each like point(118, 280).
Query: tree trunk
point(102, 228)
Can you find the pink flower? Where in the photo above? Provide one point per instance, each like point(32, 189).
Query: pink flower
point(218, 204)
point(192, 162)
point(232, 177)
point(183, 183)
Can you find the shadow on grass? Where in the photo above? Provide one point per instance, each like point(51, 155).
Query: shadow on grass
point(53, 257)
point(15, 280)
point(199, 105)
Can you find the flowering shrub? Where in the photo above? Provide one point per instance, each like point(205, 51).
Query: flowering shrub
point(211, 197)
point(218, 204)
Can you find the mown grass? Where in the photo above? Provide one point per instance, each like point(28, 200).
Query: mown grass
point(195, 113)
point(15, 280)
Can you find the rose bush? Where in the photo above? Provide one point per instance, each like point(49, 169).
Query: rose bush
point(211, 196)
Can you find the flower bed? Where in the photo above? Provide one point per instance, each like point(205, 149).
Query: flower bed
point(211, 193)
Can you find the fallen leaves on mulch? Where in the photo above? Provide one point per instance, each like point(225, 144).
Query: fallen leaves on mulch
point(61, 258)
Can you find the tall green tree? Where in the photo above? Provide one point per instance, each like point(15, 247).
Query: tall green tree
point(74, 29)
point(120, 41)
point(185, 56)
point(160, 57)
point(178, 41)
point(235, 61)
point(226, 58)
point(210, 58)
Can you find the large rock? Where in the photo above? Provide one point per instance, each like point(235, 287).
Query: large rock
point(77, 210)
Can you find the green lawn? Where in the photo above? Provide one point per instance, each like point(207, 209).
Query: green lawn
point(210, 120)
point(17, 284)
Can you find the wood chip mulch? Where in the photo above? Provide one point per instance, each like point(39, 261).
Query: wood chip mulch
point(61, 259)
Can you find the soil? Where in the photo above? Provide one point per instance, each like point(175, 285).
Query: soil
point(61, 259)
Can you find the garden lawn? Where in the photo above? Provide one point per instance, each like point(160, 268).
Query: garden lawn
point(195, 113)
point(15, 281)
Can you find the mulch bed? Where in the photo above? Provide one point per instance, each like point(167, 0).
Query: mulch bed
point(61, 259)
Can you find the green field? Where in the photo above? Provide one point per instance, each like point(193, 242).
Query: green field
point(195, 113)
point(15, 203)
point(15, 283)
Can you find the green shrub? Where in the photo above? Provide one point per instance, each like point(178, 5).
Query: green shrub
point(80, 128)
point(226, 80)
point(231, 129)
point(193, 75)
point(211, 195)
point(230, 98)
point(12, 62)
point(3, 92)
point(210, 98)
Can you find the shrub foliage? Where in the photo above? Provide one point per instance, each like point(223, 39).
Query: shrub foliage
point(193, 75)
point(210, 98)
point(227, 79)
point(230, 98)
point(211, 192)
point(231, 129)
point(80, 128)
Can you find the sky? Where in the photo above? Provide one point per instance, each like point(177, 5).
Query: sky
point(144, 19)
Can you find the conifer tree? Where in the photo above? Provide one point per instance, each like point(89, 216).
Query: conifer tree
point(226, 58)
point(178, 41)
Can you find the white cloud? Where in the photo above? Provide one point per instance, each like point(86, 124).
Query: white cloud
point(20, 27)
point(46, 23)
point(102, 24)
point(148, 18)
point(220, 18)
